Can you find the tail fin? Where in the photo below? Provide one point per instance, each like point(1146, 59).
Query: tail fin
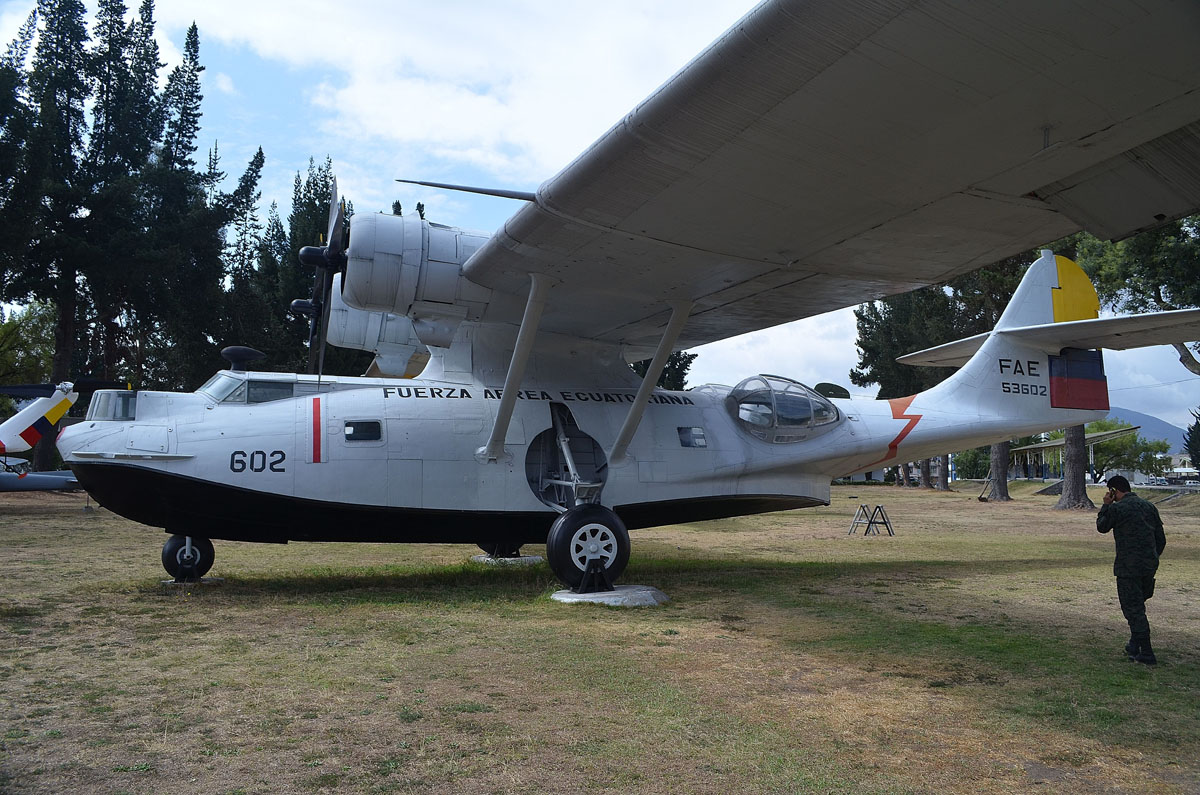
point(25, 428)
point(1042, 361)
point(1053, 290)
point(1036, 369)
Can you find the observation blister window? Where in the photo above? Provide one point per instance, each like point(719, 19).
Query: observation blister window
point(779, 410)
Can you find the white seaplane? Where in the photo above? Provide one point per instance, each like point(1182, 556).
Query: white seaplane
point(818, 155)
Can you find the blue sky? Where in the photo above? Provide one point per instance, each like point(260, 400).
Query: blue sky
point(501, 93)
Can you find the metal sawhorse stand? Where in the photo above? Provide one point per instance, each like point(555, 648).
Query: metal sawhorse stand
point(872, 520)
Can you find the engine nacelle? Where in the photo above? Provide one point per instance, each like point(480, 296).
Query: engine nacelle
point(407, 266)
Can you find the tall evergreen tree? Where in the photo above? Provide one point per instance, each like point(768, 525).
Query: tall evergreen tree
point(47, 192)
point(14, 117)
point(1191, 440)
point(674, 374)
point(1154, 270)
point(241, 252)
point(180, 322)
point(307, 226)
point(182, 100)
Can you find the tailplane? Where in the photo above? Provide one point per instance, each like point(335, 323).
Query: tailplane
point(1042, 364)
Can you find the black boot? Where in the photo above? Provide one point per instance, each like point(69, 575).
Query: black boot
point(1131, 648)
point(1145, 654)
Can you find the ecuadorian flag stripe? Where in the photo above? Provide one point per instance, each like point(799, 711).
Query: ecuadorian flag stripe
point(1077, 381)
point(55, 414)
point(44, 424)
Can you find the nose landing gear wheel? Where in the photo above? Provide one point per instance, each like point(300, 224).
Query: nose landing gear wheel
point(187, 564)
point(587, 536)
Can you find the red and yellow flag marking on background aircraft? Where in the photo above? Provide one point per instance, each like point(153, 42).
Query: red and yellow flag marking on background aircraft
point(43, 424)
point(899, 412)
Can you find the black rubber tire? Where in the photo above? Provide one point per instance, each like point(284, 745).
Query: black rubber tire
point(567, 544)
point(174, 551)
point(501, 549)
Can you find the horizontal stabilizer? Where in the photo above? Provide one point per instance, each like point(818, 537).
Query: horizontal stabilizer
point(1114, 333)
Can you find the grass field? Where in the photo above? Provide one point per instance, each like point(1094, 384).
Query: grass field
point(979, 650)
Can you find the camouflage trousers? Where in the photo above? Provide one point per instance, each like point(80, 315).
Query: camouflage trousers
point(1133, 593)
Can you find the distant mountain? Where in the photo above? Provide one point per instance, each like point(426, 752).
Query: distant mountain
point(1152, 427)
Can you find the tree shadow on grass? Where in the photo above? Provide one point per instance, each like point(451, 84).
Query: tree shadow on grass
point(1073, 675)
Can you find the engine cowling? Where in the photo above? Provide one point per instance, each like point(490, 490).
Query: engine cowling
point(407, 266)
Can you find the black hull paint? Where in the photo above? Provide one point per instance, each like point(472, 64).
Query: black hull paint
point(211, 510)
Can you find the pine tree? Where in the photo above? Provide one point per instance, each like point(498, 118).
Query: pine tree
point(182, 100)
point(48, 190)
point(674, 374)
point(1191, 440)
point(241, 253)
point(213, 175)
point(15, 117)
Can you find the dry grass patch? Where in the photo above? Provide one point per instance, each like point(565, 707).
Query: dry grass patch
point(976, 651)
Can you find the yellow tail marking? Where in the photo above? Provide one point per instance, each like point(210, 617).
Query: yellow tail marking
point(1075, 297)
point(55, 414)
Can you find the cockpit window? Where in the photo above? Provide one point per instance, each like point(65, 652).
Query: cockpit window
point(220, 385)
point(779, 410)
point(227, 389)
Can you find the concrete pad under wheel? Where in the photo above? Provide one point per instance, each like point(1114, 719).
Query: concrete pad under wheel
point(521, 560)
point(623, 596)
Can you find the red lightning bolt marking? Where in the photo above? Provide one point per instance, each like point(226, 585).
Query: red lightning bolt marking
point(899, 409)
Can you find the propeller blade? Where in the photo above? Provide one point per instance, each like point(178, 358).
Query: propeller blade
point(336, 233)
point(46, 390)
point(326, 306)
point(96, 384)
point(28, 390)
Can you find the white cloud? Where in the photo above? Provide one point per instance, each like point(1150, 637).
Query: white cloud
point(517, 88)
point(224, 83)
point(812, 350)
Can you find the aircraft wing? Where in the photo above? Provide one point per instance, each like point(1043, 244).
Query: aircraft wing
point(1114, 333)
point(823, 153)
point(38, 481)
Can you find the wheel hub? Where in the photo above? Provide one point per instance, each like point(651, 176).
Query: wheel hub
point(593, 542)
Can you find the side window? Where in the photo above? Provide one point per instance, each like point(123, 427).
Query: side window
point(364, 431)
point(692, 437)
point(266, 391)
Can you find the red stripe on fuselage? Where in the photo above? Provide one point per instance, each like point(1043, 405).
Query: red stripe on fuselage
point(899, 412)
point(316, 430)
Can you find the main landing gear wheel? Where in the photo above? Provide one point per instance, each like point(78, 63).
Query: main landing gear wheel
point(501, 549)
point(584, 534)
point(186, 564)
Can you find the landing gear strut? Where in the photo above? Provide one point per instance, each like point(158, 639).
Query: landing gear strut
point(588, 548)
point(501, 549)
point(187, 558)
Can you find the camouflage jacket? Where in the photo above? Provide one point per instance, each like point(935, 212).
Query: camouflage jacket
point(1138, 532)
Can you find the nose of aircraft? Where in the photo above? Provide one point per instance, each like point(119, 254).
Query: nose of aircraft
point(85, 436)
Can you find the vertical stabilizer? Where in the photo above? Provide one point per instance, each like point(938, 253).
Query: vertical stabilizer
point(1029, 384)
point(1053, 290)
point(25, 428)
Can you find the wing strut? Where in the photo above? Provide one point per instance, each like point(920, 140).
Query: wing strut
point(538, 287)
point(679, 315)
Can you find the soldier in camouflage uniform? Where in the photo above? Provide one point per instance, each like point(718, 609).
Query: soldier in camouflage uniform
point(1138, 533)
